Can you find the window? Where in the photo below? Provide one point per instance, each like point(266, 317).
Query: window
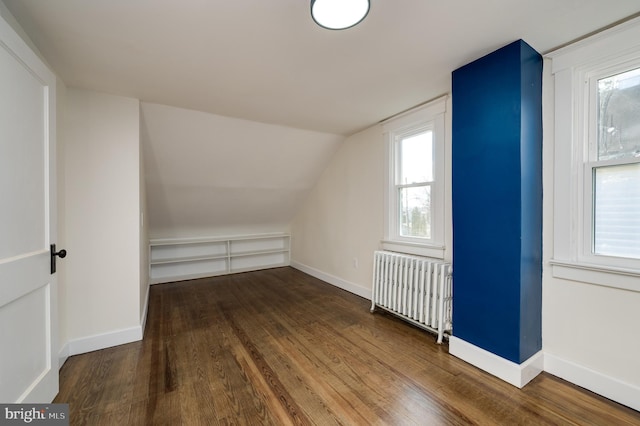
point(596, 143)
point(614, 164)
point(414, 177)
point(415, 187)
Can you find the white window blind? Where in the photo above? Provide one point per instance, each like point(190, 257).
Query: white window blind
point(617, 210)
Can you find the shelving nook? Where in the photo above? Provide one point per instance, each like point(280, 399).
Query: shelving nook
point(178, 259)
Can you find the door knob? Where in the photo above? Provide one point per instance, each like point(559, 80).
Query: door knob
point(61, 254)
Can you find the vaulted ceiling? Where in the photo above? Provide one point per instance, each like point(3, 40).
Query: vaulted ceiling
point(267, 61)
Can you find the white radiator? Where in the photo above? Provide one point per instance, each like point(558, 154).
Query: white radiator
point(417, 289)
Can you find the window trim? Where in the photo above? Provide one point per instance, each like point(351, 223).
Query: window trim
point(574, 69)
point(430, 116)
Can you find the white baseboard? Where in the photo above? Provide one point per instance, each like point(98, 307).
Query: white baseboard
point(63, 354)
point(103, 341)
point(143, 317)
point(517, 375)
point(609, 387)
point(333, 280)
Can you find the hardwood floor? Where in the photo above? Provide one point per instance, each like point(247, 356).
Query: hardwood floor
point(280, 347)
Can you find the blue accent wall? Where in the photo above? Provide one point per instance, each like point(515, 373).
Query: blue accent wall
point(497, 202)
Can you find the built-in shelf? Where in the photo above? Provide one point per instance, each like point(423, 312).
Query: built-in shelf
point(176, 259)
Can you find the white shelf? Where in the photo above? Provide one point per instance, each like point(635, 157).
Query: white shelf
point(167, 279)
point(176, 259)
point(258, 252)
point(186, 259)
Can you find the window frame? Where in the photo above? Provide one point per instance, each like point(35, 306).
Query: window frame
point(589, 115)
point(591, 161)
point(575, 71)
point(428, 117)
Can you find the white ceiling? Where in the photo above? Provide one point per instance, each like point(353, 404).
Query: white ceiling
point(266, 61)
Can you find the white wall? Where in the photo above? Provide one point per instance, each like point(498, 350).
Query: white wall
point(209, 175)
point(102, 196)
point(340, 224)
point(61, 266)
point(144, 236)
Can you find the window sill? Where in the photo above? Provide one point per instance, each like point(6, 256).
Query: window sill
point(436, 252)
point(620, 278)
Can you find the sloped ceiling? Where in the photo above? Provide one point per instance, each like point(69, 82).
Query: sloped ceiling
point(212, 175)
point(265, 63)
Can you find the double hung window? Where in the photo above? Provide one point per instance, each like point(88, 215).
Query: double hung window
point(415, 185)
point(613, 167)
point(596, 179)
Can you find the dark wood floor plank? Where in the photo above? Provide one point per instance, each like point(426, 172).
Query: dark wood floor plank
point(279, 347)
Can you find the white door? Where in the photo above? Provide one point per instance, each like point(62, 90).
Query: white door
point(28, 291)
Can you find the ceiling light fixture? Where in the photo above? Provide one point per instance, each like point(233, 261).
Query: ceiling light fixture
point(339, 14)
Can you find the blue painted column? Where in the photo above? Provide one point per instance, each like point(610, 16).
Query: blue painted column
point(497, 202)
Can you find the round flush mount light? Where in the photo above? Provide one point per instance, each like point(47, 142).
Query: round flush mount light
point(339, 14)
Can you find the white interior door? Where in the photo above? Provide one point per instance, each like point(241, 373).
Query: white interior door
point(28, 291)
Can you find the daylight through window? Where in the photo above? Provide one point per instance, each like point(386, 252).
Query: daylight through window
point(414, 184)
point(615, 166)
